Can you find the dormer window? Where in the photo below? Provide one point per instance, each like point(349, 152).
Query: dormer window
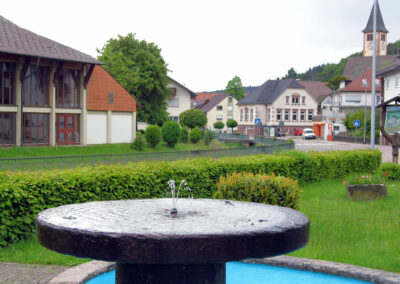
point(111, 98)
point(295, 100)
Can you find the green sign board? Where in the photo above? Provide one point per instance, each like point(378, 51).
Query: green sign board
point(392, 123)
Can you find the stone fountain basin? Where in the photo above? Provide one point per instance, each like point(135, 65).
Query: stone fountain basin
point(144, 232)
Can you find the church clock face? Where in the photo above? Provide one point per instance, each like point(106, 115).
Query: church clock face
point(370, 45)
point(383, 46)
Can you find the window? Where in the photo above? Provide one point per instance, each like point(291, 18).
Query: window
point(246, 114)
point(219, 107)
point(287, 113)
point(219, 117)
point(370, 37)
point(383, 37)
point(336, 128)
point(353, 99)
point(241, 115)
point(294, 115)
point(303, 100)
point(229, 99)
point(172, 92)
point(111, 98)
point(174, 118)
point(278, 115)
point(68, 89)
point(230, 108)
point(173, 102)
point(302, 115)
point(310, 115)
point(7, 83)
point(68, 126)
point(36, 86)
point(268, 114)
point(7, 128)
point(287, 100)
point(295, 100)
point(251, 115)
point(387, 84)
point(35, 128)
point(378, 100)
point(230, 117)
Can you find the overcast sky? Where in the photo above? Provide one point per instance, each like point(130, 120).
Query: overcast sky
point(206, 43)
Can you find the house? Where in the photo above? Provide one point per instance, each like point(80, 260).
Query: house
point(179, 100)
point(220, 107)
point(111, 110)
point(44, 91)
point(280, 106)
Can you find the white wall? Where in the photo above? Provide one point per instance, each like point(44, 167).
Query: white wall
point(392, 86)
point(121, 128)
point(96, 128)
point(183, 96)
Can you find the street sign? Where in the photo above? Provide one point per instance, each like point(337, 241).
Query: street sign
point(257, 121)
point(356, 123)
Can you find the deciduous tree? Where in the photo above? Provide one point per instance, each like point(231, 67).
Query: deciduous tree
point(235, 88)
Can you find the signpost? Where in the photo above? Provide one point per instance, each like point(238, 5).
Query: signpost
point(257, 122)
point(356, 124)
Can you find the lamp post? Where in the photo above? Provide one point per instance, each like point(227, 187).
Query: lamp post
point(373, 81)
point(365, 84)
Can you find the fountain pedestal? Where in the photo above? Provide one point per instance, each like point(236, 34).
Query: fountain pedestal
point(150, 245)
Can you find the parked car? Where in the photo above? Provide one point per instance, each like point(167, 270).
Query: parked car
point(308, 133)
point(298, 132)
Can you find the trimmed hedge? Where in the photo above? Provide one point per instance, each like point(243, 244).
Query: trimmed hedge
point(259, 188)
point(23, 195)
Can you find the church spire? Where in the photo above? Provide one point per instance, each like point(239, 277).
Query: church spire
point(380, 25)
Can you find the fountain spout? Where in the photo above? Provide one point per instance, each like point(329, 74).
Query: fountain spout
point(175, 194)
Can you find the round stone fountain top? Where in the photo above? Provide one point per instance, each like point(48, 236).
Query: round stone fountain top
point(144, 231)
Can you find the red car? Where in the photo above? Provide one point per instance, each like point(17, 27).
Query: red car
point(298, 132)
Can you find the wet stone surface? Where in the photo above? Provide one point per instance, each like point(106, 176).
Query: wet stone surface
point(143, 231)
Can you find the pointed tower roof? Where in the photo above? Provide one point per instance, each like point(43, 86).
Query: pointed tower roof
point(380, 25)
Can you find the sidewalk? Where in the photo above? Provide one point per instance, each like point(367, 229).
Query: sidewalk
point(18, 273)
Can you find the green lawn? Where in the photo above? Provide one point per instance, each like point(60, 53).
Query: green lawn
point(25, 152)
point(363, 233)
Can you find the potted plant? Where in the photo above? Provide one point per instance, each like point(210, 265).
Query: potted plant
point(366, 187)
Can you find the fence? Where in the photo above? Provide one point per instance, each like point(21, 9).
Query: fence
point(66, 162)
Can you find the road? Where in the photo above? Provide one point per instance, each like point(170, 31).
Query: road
point(324, 145)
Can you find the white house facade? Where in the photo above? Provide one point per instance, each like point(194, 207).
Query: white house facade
point(179, 100)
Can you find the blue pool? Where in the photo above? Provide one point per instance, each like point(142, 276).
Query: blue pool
point(249, 273)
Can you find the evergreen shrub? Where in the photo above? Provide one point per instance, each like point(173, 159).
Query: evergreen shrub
point(195, 135)
point(171, 132)
point(184, 135)
point(139, 142)
point(153, 135)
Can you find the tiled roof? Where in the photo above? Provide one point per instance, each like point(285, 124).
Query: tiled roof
point(380, 25)
point(391, 68)
point(357, 65)
point(202, 96)
point(16, 40)
point(100, 85)
point(268, 92)
point(357, 84)
point(206, 105)
point(316, 89)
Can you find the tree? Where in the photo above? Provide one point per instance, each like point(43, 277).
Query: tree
point(171, 132)
point(291, 74)
point(219, 125)
point(139, 67)
point(153, 135)
point(192, 118)
point(235, 88)
point(231, 123)
point(334, 83)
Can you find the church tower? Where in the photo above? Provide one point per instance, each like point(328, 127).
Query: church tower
point(381, 35)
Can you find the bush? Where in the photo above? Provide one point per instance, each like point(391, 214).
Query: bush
point(139, 142)
point(171, 132)
point(184, 135)
point(391, 171)
point(269, 189)
point(219, 125)
point(23, 195)
point(195, 135)
point(193, 118)
point(153, 135)
point(208, 136)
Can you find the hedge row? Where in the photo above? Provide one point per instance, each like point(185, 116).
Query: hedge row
point(23, 195)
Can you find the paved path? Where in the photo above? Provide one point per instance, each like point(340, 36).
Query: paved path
point(16, 273)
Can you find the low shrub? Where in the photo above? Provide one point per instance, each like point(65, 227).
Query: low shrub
point(208, 136)
point(391, 171)
point(195, 135)
point(219, 125)
point(153, 135)
point(184, 135)
point(260, 188)
point(139, 142)
point(171, 132)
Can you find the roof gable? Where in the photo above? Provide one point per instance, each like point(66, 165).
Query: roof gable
point(357, 84)
point(208, 104)
point(316, 89)
point(100, 85)
point(16, 40)
point(192, 94)
point(380, 25)
point(357, 65)
point(268, 92)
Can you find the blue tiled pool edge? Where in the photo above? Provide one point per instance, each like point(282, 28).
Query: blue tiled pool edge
point(87, 271)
